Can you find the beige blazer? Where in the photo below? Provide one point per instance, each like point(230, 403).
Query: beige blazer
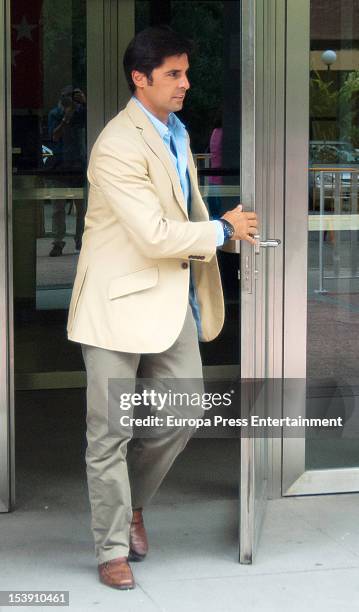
point(131, 287)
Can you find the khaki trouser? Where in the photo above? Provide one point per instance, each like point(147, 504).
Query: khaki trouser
point(119, 481)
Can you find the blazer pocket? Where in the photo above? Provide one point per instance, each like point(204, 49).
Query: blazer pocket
point(130, 283)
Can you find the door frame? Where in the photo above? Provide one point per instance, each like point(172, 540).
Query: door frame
point(262, 188)
point(7, 424)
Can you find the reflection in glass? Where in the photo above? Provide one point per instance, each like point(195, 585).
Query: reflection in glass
point(333, 281)
point(49, 94)
point(49, 182)
point(212, 117)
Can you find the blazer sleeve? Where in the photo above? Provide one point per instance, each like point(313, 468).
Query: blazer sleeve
point(119, 170)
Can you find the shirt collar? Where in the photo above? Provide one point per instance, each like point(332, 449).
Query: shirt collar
point(164, 130)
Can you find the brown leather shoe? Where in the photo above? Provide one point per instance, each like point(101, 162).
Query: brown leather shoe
point(138, 537)
point(116, 573)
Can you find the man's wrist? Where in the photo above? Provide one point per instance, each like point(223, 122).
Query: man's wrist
point(228, 229)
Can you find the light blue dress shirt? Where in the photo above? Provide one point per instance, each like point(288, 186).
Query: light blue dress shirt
point(177, 131)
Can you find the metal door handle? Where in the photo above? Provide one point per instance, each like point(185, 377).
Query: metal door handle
point(271, 242)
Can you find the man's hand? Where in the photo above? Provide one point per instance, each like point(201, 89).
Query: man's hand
point(79, 96)
point(245, 223)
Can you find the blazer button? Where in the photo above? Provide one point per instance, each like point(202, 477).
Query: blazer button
point(184, 265)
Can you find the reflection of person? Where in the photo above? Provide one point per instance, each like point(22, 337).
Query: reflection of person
point(134, 302)
point(67, 129)
point(215, 148)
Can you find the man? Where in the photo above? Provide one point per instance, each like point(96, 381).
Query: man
point(67, 130)
point(136, 300)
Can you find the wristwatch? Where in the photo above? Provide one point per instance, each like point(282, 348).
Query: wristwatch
point(228, 229)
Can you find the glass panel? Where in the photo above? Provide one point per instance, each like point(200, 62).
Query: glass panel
point(49, 181)
point(333, 280)
point(212, 116)
point(49, 84)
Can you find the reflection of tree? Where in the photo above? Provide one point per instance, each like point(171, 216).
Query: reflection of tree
point(341, 104)
point(142, 14)
point(323, 97)
point(63, 31)
point(203, 23)
point(349, 96)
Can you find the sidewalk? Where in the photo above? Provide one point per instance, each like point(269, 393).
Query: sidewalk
point(308, 557)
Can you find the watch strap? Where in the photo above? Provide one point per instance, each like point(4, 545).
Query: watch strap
point(228, 229)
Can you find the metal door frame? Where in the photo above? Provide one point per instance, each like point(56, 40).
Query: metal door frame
point(262, 173)
point(7, 429)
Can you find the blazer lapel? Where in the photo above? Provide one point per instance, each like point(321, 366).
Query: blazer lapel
point(155, 143)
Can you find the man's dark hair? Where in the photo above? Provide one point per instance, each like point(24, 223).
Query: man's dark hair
point(149, 48)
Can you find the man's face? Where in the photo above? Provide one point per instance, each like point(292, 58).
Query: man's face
point(165, 92)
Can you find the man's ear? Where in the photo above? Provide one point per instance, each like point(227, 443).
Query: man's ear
point(139, 79)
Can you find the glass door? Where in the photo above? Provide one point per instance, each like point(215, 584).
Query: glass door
point(55, 97)
point(235, 123)
point(49, 157)
point(61, 97)
point(236, 129)
point(322, 284)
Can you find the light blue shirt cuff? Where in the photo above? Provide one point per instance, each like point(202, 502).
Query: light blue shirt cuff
point(220, 232)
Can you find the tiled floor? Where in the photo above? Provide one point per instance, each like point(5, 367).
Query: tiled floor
point(308, 557)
